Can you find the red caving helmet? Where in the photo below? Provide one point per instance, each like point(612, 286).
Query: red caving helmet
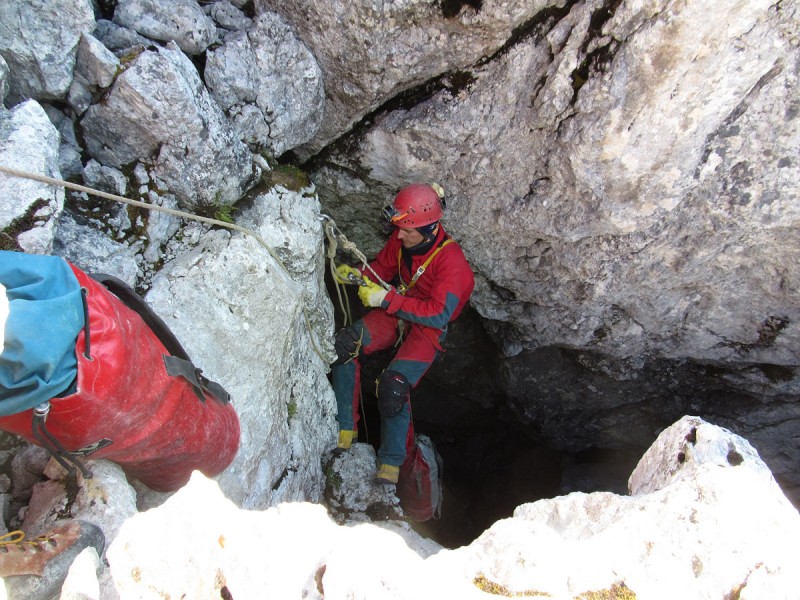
point(414, 206)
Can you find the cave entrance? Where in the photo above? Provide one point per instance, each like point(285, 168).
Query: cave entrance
point(492, 461)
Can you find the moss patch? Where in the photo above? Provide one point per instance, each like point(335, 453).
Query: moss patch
point(490, 587)
point(618, 591)
point(26, 222)
point(288, 176)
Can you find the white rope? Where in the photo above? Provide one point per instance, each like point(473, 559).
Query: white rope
point(169, 211)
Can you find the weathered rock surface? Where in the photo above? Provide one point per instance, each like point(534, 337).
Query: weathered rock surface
point(568, 257)
point(28, 208)
point(370, 52)
point(622, 178)
point(705, 519)
point(159, 112)
point(227, 15)
point(180, 21)
point(254, 324)
point(95, 69)
point(41, 61)
point(351, 493)
point(269, 85)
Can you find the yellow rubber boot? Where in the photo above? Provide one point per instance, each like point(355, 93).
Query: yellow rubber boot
point(387, 474)
point(346, 439)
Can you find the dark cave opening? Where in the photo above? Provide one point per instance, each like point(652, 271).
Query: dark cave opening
point(492, 463)
point(513, 430)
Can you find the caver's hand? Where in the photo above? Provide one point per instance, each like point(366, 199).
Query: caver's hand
point(371, 294)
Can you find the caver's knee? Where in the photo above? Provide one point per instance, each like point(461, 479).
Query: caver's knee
point(393, 389)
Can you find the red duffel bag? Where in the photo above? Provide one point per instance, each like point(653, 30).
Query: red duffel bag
point(137, 400)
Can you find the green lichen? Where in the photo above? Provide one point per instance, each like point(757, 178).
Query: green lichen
point(289, 177)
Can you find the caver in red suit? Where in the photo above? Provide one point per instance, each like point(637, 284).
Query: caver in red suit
point(431, 282)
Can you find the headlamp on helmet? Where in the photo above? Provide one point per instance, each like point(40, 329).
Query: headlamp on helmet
point(414, 206)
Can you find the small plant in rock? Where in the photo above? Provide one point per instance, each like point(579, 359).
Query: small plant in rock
point(291, 409)
point(224, 214)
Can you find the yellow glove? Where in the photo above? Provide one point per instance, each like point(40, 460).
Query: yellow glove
point(344, 274)
point(371, 294)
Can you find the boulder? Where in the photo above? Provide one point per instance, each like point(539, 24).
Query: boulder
point(705, 520)
point(29, 209)
point(159, 112)
point(180, 21)
point(269, 85)
point(256, 318)
point(41, 62)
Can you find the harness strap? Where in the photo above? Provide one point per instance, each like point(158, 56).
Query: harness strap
point(402, 288)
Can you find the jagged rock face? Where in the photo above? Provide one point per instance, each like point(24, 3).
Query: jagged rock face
point(623, 205)
point(40, 62)
point(372, 51)
point(270, 106)
point(159, 111)
point(266, 333)
point(623, 178)
point(681, 533)
point(28, 209)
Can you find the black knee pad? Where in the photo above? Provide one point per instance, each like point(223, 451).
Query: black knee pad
point(393, 388)
point(347, 344)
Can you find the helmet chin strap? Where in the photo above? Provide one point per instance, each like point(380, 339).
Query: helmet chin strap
point(427, 240)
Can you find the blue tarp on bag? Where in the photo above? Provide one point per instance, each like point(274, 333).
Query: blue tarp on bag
point(45, 315)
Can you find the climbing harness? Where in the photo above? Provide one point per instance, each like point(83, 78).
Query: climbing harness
point(402, 288)
point(173, 212)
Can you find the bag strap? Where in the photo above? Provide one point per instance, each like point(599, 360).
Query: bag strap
point(179, 362)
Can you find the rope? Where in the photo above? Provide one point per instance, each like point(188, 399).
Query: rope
point(348, 246)
point(169, 211)
point(336, 237)
point(12, 537)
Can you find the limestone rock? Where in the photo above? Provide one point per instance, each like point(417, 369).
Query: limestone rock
point(705, 528)
point(269, 85)
point(351, 494)
point(252, 323)
point(28, 208)
point(41, 61)
point(180, 21)
point(92, 251)
point(95, 69)
point(227, 16)
point(626, 222)
point(158, 110)
point(697, 527)
point(563, 255)
point(120, 40)
point(371, 51)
